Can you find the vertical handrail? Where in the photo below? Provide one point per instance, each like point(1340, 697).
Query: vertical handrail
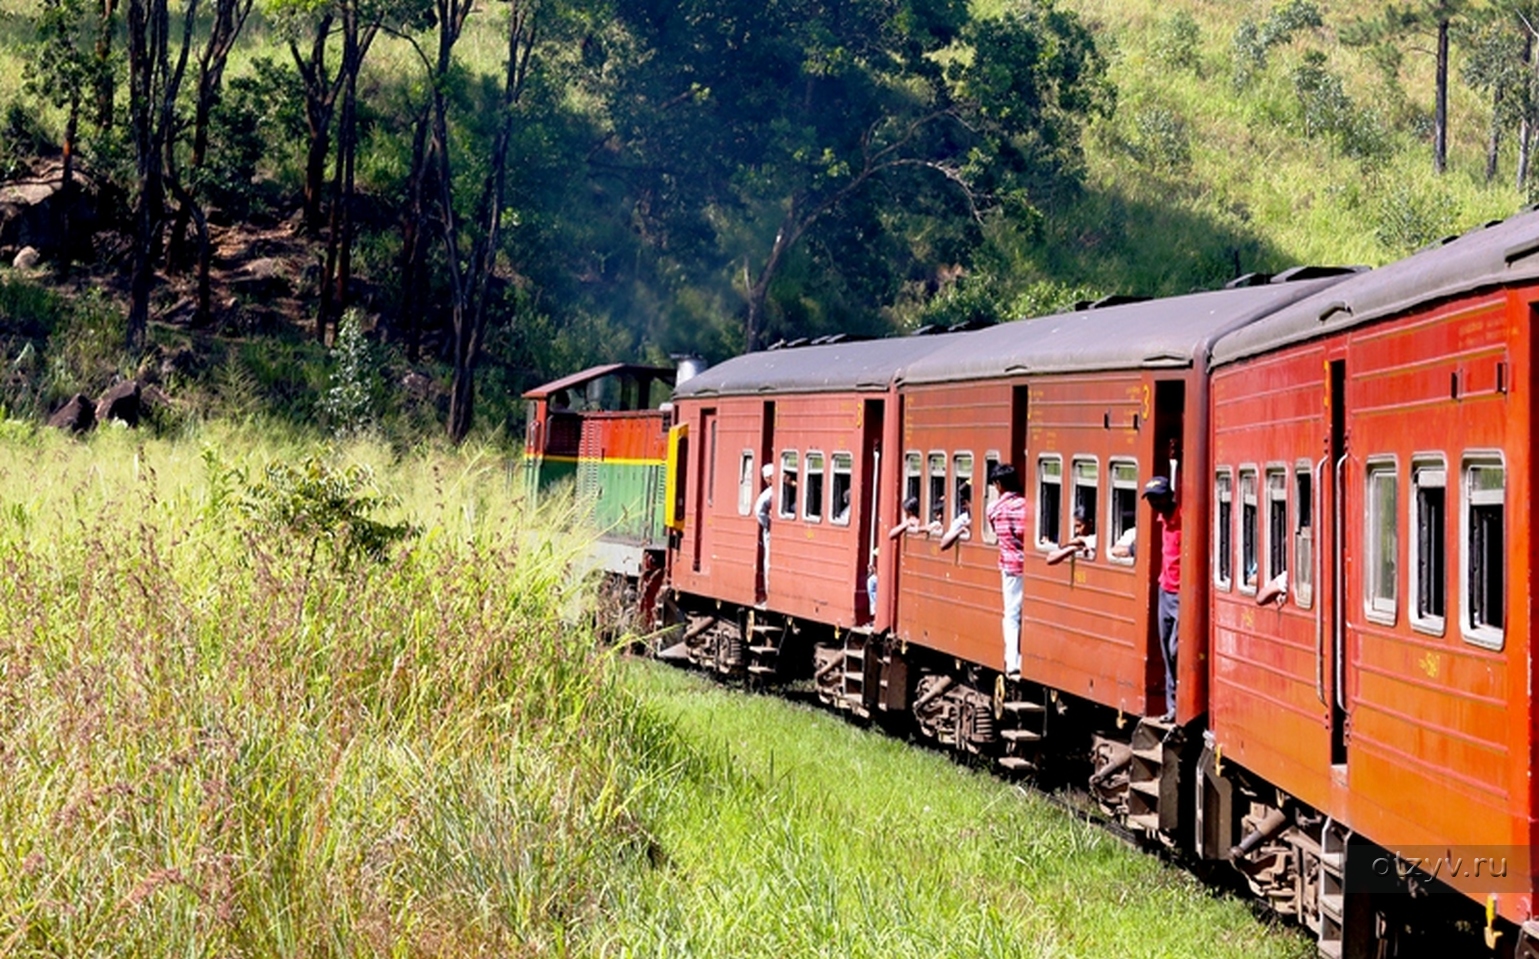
point(1340, 605)
point(1319, 578)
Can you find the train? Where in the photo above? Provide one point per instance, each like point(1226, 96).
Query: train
point(1352, 730)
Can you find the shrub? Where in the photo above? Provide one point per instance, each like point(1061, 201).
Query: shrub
point(355, 391)
point(1177, 40)
point(1162, 140)
point(1408, 216)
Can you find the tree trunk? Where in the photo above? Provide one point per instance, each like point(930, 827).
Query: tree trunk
point(106, 78)
point(339, 241)
point(1440, 120)
point(1494, 139)
point(1526, 126)
point(67, 185)
point(413, 226)
point(320, 97)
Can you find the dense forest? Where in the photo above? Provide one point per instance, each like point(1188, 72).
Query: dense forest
point(405, 211)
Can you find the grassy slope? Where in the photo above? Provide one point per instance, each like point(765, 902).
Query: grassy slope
point(833, 840)
point(1256, 186)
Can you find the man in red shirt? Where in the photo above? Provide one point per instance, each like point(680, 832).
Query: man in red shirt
point(1007, 517)
point(1167, 526)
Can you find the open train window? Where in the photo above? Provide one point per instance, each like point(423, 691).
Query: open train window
point(1304, 534)
point(935, 471)
point(745, 483)
point(1087, 489)
point(1381, 538)
point(1429, 562)
point(1122, 516)
point(1276, 524)
point(1049, 500)
point(843, 488)
point(1249, 531)
point(1223, 529)
point(990, 495)
point(913, 477)
point(788, 478)
point(812, 501)
point(962, 483)
point(1484, 559)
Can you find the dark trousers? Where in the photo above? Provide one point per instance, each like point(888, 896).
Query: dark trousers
point(1170, 628)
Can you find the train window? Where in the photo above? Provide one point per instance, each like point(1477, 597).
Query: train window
point(913, 477)
point(990, 494)
point(1382, 539)
point(1223, 529)
point(843, 489)
point(1484, 560)
point(1249, 532)
point(812, 502)
point(1429, 564)
point(1122, 517)
point(937, 474)
point(1276, 524)
point(745, 483)
point(1049, 500)
point(1087, 487)
point(962, 483)
point(1304, 534)
point(710, 483)
point(788, 477)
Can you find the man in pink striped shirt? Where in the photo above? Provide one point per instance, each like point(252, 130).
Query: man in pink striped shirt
point(1167, 526)
point(1007, 517)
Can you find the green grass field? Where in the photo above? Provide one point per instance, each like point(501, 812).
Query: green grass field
point(223, 732)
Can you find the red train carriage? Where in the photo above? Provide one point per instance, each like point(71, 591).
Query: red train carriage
point(818, 418)
point(1371, 674)
point(1086, 406)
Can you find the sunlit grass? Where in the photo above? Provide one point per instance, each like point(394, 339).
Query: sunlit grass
point(803, 835)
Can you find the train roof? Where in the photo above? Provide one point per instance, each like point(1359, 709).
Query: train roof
point(1168, 333)
point(1495, 255)
point(852, 367)
point(583, 377)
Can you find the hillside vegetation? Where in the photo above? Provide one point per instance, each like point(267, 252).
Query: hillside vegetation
point(673, 177)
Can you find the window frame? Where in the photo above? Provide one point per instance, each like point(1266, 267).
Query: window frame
point(746, 487)
point(929, 485)
point(1223, 533)
point(1113, 534)
point(956, 484)
point(1375, 607)
point(1270, 495)
point(806, 488)
point(1078, 460)
point(1425, 464)
point(1251, 471)
point(834, 472)
point(913, 479)
point(990, 496)
point(1484, 636)
point(1056, 459)
point(1302, 587)
point(794, 459)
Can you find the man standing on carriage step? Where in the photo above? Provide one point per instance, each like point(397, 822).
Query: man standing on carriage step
point(1167, 530)
point(1007, 517)
point(762, 508)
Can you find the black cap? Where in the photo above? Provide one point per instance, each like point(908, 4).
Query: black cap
point(1159, 486)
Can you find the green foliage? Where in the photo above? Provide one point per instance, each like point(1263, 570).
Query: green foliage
point(1410, 215)
point(1177, 41)
point(1162, 139)
point(1253, 41)
point(322, 506)
point(1326, 110)
point(22, 137)
point(354, 399)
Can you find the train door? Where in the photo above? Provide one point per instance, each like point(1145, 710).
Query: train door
point(767, 457)
point(873, 418)
point(1169, 444)
point(1331, 644)
point(705, 491)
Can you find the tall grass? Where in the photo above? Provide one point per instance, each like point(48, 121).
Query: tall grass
point(215, 741)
